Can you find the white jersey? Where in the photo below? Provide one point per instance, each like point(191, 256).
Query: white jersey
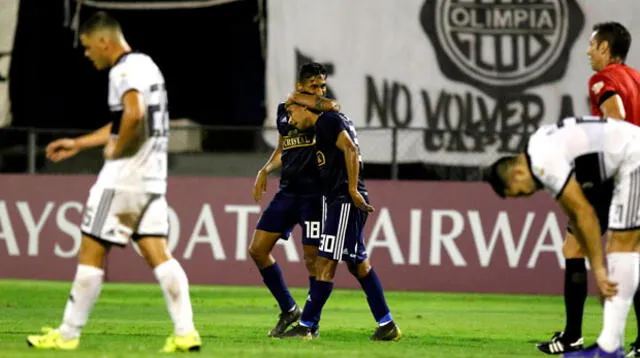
point(145, 168)
point(594, 148)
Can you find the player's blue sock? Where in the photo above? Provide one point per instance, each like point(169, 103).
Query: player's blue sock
point(272, 277)
point(312, 281)
point(320, 292)
point(375, 297)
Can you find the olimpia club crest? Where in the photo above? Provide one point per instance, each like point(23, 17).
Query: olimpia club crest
point(499, 45)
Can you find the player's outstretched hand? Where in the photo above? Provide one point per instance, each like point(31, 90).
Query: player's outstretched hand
point(358, 200)
point(607, 288)
point(260, 186)
point(61, 149)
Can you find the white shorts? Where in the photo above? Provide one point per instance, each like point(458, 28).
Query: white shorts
point(115, 216)
point(624, 212)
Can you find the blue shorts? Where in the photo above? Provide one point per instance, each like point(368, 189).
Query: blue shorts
point(286, 210)
point(343, 231)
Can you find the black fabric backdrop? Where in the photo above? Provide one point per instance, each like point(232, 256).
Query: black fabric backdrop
point(211, 58)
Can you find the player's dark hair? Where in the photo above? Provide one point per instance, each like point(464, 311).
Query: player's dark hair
point(309, 70)
point(496, 174)
point(616, 35)
point(99, 21)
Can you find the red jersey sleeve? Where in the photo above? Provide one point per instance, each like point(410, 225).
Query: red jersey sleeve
point(599, 84)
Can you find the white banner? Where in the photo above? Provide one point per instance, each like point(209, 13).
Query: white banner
point(465, 80)
point(8, 19)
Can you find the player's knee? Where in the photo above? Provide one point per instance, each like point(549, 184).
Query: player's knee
point(623, 241)
point(571, 250)
point(353, 268)
point(359, 270)
point(325, 269)
point(257, 253)
point(92, 252)
point(310, 263)
point(310, 254)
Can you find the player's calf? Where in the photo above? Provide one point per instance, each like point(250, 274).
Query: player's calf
point(371, 285)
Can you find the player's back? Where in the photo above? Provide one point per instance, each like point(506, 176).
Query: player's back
point(611, 142)
point(331, 162)
point(143, 167)
point(622, 80)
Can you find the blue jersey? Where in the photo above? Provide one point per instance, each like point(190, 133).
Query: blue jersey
point(299, 173)
point(333, 169)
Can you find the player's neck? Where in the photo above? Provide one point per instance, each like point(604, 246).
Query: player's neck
point(120, 48)
point(614, 61)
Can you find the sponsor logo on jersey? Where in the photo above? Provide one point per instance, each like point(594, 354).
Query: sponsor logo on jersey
point(297, 140)
point(597, 87)
point(320, 158)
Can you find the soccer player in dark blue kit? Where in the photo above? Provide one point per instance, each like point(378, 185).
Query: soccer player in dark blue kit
point(298, 201)
point(346, 208)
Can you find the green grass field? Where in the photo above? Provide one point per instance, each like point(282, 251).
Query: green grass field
point(131, 321)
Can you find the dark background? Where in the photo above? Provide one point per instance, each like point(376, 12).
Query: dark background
point(211, 58)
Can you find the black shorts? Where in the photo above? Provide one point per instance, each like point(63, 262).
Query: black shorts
point(286, 210)
point(343, 231)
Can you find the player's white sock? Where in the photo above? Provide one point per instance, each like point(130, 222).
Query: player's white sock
point(623, 269)
point(84, 293)
point(175, 286)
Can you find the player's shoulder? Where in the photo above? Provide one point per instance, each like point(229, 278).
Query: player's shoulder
point(282, 118)
point(612, 71)
point(132, 62)
point(538, 141)
point(600, 80)
point(602, 75)
point(331, 117)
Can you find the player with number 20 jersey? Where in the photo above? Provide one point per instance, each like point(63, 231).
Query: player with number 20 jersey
point(142, 170)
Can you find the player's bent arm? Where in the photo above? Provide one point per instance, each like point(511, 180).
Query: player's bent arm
point(613, 107)
point(351, 159)
point(275, 160)
point(318, 103)
point(583, 221)
point(133, 113)
point(94, 139)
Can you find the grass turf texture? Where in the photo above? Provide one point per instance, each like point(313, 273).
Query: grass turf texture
point(130, 320)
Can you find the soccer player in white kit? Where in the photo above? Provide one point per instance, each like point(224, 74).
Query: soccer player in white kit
point(578, 153)
point(128, 199)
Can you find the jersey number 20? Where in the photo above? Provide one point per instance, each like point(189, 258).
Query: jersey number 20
point(158, 115)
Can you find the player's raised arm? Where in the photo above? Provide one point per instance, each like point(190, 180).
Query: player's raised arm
point(64, 148)
point(317, 103)
point(133, 113)
point(352, 162)
point(584, 221)
point(274, 162)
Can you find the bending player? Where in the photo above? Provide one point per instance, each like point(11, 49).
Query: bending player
point(613, 92)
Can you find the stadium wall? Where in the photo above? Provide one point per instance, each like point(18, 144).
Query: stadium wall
point(435, 236)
